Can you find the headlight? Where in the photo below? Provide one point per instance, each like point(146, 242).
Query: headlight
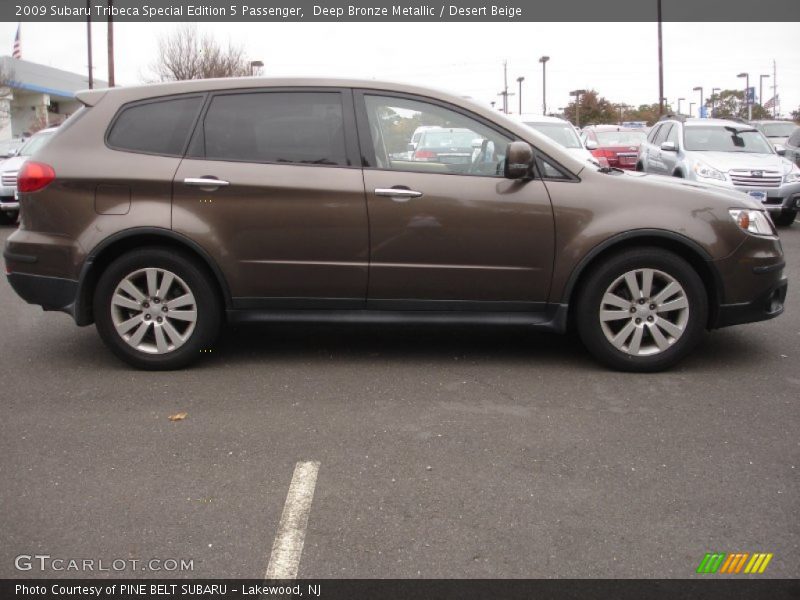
point(752, 221)
point(707, 172)
point(792, 176)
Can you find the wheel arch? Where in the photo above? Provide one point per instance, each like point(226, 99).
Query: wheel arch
point(116, 245)
point(692, 252)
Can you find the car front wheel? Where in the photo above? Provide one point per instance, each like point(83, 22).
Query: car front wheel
point(157, 309)
point(642, 310)
point(785, 218)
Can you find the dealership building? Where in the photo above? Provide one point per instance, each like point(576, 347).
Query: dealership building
point(35, 96)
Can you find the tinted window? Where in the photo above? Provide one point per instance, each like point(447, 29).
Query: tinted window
point(620, 138)
point(652, 137)
point(155, 127)
point(662, 134)
point(281, 127)
point(450, 143)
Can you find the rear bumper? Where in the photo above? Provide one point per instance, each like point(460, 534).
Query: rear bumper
point(767, 305)
point(51, 293)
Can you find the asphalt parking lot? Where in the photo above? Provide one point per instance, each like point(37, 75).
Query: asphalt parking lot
point(446, 452)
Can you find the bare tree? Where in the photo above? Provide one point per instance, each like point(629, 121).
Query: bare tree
point(187, 54)
point(6, 77)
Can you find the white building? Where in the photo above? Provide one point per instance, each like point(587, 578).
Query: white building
point(36, 96)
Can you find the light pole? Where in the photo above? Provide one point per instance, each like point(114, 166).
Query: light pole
point(713, 101)
point(747, 94)
point(519, 81)
point(761, 79)
point(661, 98)
point(679, 104)
point(543, 60)
point(577, 94)
point(691, 110)
point(255, 67)
point(699, 88)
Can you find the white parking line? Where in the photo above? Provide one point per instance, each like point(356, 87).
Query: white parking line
point(288, 545)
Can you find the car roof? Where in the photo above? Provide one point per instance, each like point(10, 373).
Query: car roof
point(611, 128)
point(766, 121)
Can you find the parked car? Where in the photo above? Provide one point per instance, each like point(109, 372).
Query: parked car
point(793, 147)
point(729, 154)
point(618, 145)
point(9, 148)
point(777, 132)
point(445, 145)
point(9, 205)
point(562, 132)
point(158, 212)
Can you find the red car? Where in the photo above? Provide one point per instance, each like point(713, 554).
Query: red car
point(618, 145)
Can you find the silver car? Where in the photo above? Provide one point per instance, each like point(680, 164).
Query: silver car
point(9, 205)
point(724, 153)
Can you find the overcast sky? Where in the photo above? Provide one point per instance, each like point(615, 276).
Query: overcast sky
point(617, 59)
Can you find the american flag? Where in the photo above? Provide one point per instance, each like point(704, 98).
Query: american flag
point(17, 52)
point(771, 102)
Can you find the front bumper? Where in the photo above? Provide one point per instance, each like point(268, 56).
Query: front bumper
point(768, 305)
point(753, 283)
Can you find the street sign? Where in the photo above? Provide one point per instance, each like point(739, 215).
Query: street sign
point(751, 95)
point(703, 112)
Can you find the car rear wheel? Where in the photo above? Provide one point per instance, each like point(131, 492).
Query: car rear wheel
point(785, 218)
point(8, 217)
point(642, 310)
point(157, 309)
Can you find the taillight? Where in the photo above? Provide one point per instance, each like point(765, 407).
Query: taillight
point(34, 176)
point(424, 155)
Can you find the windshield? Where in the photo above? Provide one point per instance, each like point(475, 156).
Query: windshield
point(448, 139)
point(725, 139)
point(620, 138)
point(777, 129)
point(562, 133)
point(35, 143)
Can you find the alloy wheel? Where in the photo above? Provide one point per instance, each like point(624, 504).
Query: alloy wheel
point(154, 311)
point(644, 312)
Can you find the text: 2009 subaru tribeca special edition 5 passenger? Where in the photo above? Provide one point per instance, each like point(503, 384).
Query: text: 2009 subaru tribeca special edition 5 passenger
point(159, 211)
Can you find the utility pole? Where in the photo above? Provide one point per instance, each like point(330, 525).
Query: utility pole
point(660, 66)
point(89, 40)
point(519, 81)
point(110, 44)
point(577, 94)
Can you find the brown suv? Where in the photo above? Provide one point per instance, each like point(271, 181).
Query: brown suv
point(159, 211)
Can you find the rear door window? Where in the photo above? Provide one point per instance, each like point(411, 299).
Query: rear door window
point(276, 127)
point(155, 127)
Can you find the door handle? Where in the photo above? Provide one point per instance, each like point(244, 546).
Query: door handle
point(207, 182)
point(398, 194)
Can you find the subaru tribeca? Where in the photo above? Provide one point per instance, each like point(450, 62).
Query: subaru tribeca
point(159, 212)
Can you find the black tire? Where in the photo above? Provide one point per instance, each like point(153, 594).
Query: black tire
point(8, 217)
point(609, 271)
point(678, 174)
point(785, 218)
point(199, 283)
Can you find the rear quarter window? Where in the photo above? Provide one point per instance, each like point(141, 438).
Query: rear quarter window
point(155, 127)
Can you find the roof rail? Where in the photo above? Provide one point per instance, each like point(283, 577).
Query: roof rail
point(672, 117)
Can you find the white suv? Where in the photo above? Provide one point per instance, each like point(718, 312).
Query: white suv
point(727, 154)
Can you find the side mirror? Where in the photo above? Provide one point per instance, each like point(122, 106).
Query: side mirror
point(669, 147)
point(411, 146)
point(781, 150)
point(591, 145)
point(519, 160)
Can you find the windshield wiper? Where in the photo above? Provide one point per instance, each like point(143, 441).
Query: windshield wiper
point(610, 170)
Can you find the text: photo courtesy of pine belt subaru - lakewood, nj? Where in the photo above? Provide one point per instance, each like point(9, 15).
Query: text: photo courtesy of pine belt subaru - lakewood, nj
point(159, 212)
